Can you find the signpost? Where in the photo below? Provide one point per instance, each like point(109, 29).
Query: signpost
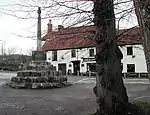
point(88, 59)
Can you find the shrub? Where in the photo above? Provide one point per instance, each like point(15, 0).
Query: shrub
point(142, 105)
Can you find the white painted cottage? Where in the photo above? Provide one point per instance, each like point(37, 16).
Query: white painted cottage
point(72, 50)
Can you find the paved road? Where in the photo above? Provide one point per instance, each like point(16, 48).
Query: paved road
point(74, 100)
point(77, 99)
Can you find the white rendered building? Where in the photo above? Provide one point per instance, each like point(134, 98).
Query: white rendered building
point(72, 50)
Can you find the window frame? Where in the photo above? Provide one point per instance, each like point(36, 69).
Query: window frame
point(54, 55)
point(131, 69)
point(129, 50)
point(91, 52)
point(73, 53)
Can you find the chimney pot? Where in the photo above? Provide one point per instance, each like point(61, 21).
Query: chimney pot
point(49, 29)
point(50, 21)
point(60, 27)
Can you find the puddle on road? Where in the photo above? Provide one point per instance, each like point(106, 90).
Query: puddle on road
point(12, 106)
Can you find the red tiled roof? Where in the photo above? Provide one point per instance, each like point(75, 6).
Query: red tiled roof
point(129, 36)
point(79, 37)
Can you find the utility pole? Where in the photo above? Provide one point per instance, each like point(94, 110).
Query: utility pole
point(39, 44)
point(2, 49)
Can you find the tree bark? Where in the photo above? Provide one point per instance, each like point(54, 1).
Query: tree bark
point(142, 9)
point(111, 92)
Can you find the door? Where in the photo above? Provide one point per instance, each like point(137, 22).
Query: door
point(62, 67)
point(76, 67)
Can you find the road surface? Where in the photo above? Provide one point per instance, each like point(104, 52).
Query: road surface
point(77, 99)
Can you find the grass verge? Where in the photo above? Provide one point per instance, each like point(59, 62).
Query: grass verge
point(142, 105)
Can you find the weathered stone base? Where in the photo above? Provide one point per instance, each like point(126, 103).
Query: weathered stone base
point(37, 85)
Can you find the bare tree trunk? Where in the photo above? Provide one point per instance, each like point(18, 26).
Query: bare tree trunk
point(142, 9)
point(111, 92)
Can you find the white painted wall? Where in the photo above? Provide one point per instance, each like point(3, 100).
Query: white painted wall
point(66, 54)
point(138, 60)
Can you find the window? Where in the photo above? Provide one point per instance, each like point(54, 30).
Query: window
point(82, 65)
point(73, 53)
point(91, 67)
point(70, 65)
point(130, 50)
point(54, 55)
point(91, 52)
point(130, 67)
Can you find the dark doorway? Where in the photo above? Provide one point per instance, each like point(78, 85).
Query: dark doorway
point(62, 67)
point(76, 67)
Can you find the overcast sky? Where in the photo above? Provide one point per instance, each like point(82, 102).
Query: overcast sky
point(11, 30)
point(14, 31)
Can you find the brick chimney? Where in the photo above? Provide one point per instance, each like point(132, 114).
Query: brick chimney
point(49, 29)
point(60, 27)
